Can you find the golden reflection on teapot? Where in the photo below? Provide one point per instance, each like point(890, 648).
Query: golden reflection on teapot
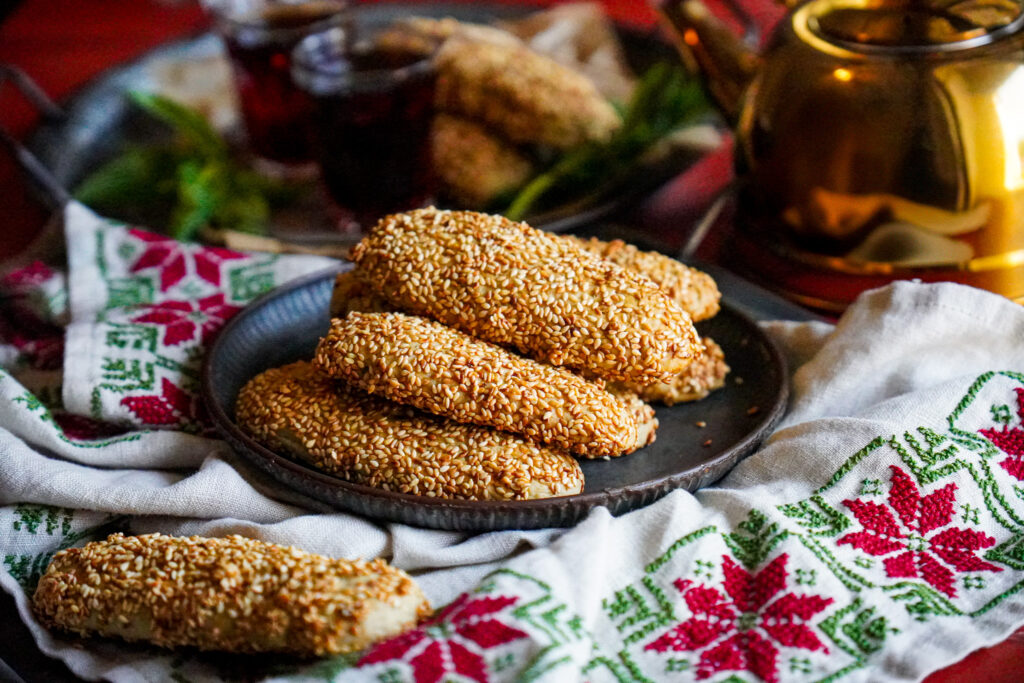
point(874, 138)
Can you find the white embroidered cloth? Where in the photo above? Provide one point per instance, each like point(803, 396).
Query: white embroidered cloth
point(878, 535)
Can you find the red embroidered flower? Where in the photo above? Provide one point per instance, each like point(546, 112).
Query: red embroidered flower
point(742, 629)
point(907, 541)
point(183, 318)
point(1011, 441)
point(208, 262)
point(172, 407)
point(169, 256)
point(452, 642)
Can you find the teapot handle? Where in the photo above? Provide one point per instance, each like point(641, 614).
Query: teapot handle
point(709, 47)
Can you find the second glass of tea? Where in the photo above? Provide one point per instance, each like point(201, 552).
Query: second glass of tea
point(371, 117)
point(260, 36)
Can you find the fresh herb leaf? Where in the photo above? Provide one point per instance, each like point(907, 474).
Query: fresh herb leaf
point(247, 209)
point(139, 175)
point(665, 99)
point(195, 174)
point(189, 124)
point(198, 196)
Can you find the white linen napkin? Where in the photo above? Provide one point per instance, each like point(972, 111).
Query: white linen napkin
point(876, 536)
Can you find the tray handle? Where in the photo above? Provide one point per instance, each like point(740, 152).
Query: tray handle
point(53, 193)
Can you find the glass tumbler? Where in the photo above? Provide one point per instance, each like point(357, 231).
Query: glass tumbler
point(260, 36)
point(371, 117)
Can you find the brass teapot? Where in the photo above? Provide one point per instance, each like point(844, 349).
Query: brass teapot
point(875, 140)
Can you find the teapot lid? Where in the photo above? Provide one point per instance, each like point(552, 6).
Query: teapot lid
point(912, 25)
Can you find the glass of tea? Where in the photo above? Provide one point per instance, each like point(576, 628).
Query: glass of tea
point(260, 36)
point(370, 123)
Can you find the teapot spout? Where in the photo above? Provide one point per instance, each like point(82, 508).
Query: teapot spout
point(712, 50)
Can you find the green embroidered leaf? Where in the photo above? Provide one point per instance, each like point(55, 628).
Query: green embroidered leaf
point(868, 631)
point(674, 665)
point(930, 451)
point(817, 516)
point(503, 662)
point(922, 601)
point(30, 401)
point(624, 670)
point(800, 665)
point(651, 618)
point(849, 578)
point(251, 280)
point(926, 459)
point(857, 631)
point(1010, 552)
point(26, 569)
point(754, 539)
point(854, 460)
point(622, 603)
point(639, 610)
point(30, 517)
point(538, 666)
point(129, 291)
point(540, 614)
point(666, 556)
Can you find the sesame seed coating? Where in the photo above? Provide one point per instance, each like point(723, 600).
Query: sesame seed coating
point(423, 35)
point(350, 294)
point(509, 284)
point(422, 363)
point(473, 166)
point(703, 376)
point(526, 97)
point(368, 440)
point(692, 289)
point(695, 291)
point(235, 594)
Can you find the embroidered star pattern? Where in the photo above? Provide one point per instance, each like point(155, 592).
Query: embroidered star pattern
point(181, 319)
point(171, 407)
point(453, 642)
point(170, 258)
point(1010, 440)
point(918, 541)
point(743, 629)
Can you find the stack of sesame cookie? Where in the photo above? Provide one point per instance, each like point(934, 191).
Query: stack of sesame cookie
point(471, 357)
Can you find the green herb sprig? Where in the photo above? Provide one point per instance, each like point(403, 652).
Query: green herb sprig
point(665, 99)
point(195, 175)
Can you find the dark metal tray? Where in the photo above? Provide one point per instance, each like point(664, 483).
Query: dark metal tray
point(285, 325)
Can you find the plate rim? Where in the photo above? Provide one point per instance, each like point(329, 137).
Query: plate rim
point(233, 434)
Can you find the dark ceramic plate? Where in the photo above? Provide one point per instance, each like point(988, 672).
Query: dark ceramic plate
point(101, 122)
point(285, 325)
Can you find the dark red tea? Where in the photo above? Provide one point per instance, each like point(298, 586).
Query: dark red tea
point(260, 47)
point(371, 126)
